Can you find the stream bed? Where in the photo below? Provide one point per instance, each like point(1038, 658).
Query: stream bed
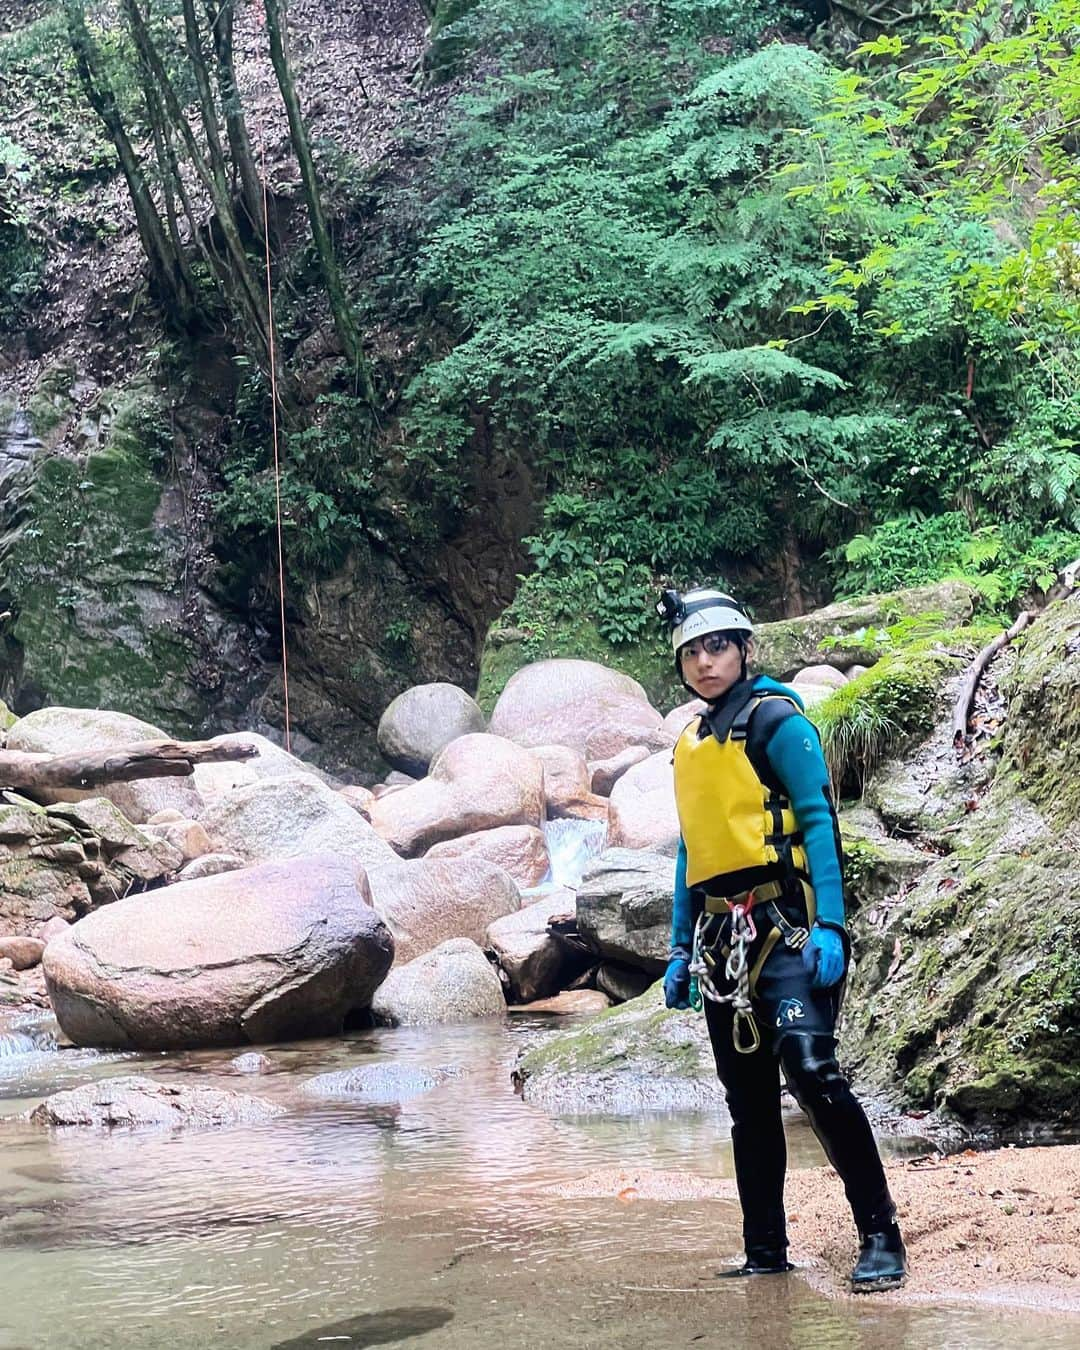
point(429, 1221)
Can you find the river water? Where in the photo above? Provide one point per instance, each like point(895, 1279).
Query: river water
point(427, 1223)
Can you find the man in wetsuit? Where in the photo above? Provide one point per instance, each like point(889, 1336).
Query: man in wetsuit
point(758, 923)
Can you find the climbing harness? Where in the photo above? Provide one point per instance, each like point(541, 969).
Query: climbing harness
point(744, 1030)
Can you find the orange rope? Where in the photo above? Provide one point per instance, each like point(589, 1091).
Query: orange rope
point(274, 429)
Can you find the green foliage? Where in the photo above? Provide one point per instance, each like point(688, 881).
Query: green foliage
point(1002, 563)
point(711, 345)
point(875, 712)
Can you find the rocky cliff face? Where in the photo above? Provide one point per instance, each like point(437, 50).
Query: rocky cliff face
point(122, 587)
point(967, 995)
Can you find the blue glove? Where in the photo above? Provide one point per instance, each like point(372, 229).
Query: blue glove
point(677, 983)
point(823, 956)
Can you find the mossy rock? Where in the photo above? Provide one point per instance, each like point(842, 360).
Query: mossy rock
point(978, 1009)
point(1042, 729)
point(95, 579)
point(900, 698)
point(855, 632)
point(877, 868)
point(638, 1056)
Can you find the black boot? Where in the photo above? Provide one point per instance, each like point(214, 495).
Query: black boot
point(882, 1262)
point(761, 1260)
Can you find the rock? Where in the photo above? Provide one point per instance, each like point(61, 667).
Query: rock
point(186, 836)
point(168, 816)
point(567, 785)
point(478, 782)
point(215, 780)
point(638, 1057)
point(66, 731)
point(427, 901)
point(453, 982)
point(140, 853)
point(853, 672)
point(624, 907)
point(536, 962)
point(622, 983)
point(136, 1101)
point(382, 1084)
point(596, 711)
point(359, 798)
point(395, 779)
point(572, 1002)
point(53, 929)
point(810, 694)
point(792, 644)
point(251, 1062)
point(605, 773)
point(517, 849)
point(828, 676)
point(642, 812)
point(877, 867)
point(280, 950)
point(23, 952)
point(676, 721)
point(211, 865)
point(421, 721)
point(289, 818)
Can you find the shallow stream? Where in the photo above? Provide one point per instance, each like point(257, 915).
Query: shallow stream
point(426, 1222)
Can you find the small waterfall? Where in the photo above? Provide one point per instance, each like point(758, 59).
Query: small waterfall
point(571, 844)
point(30, 1042)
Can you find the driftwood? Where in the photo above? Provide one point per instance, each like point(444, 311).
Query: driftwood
point(974, 673)
point(146, 759)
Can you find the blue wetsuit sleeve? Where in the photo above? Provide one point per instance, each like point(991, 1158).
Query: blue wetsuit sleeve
point(794, 752)
point(682, 913)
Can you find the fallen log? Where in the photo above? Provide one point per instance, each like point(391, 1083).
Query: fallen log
point(974, 673)
point(146, 759)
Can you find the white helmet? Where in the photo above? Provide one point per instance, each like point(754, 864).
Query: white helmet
point(701, 611)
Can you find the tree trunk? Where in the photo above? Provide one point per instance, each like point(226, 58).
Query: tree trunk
point(166, 274)
point(220, 15)
point(244, 288)
point(343, 321)
point(146, 759)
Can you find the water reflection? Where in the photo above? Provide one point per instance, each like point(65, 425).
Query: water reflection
point(341, 1221)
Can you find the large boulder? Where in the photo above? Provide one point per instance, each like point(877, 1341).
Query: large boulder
point(605, 773)
point(639, 1057)
point(281, 950)
point(56, 862)
point(428, 900)
point(596, 711)
point(454, 982)
point(288, 818)
point(850, 631)
point(477, 782)
point(624, 906)
point(69, 731)
point(214, 780)
point(518, 849)
point(534, 960)
point(568, 785)
point(642, 812)
point(423, 719)
point(137, 1101)
point(677, 720)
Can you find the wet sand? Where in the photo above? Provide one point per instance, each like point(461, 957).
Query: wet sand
point(1001, 1227)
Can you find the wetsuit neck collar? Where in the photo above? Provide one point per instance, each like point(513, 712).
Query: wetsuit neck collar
point(722, 712)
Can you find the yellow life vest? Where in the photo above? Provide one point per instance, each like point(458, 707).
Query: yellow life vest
point(738, 831)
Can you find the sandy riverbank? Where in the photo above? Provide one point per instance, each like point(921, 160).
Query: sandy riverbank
point(1001, 1227)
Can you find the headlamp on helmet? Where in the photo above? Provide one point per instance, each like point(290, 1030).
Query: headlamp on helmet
point(701, 611)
